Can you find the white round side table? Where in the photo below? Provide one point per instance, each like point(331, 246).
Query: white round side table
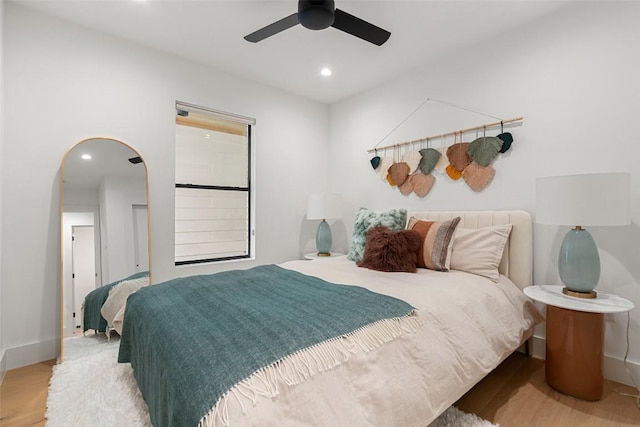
point(575, 338)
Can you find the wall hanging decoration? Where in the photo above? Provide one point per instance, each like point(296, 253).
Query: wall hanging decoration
point(429, 159)
point(399, 172)
point(412, 159)
point(469, 162)
point(443, 162)
point(383, 166)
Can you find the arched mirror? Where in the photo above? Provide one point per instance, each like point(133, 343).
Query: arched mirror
point(104, 230)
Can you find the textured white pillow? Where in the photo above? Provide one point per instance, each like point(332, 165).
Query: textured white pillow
point(118, 319)
point(479, 250)
point(118, 295)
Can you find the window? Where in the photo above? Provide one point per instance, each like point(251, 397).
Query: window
point(213, 194)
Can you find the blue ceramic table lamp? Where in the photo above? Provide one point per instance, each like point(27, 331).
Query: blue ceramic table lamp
point(599, 199)
point(323, 206)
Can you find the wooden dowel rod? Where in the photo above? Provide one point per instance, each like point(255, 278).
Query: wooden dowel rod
point(452, 133)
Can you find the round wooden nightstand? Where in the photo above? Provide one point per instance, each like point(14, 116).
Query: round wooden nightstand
point(575, 339)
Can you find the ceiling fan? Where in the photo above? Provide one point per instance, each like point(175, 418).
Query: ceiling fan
point(318, 15)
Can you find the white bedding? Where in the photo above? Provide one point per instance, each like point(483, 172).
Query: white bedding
point(470, 325)
point(113, 308)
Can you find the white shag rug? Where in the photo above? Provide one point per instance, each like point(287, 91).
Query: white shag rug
point(454, 417)
point(90, 388)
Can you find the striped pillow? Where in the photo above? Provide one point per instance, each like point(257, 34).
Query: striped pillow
point(437, 242)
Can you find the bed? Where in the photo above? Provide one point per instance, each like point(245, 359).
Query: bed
point(94, 301)
point(437, 334)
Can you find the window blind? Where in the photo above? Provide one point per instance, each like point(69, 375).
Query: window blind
point(212, 180)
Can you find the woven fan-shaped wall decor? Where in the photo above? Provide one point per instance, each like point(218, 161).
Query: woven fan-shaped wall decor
point(458, 155)
point(414, 170)
point(412, 158)
point(453, 173)
point(484, 150)
point(421, 183)
point(399, 172)
point(471, 161)
point(478, 177)
point(429, 159)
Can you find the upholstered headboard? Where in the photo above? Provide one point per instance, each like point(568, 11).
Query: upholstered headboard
point(517, 259)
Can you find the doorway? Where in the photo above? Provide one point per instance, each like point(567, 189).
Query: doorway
point(73, 221)
point(83, 264)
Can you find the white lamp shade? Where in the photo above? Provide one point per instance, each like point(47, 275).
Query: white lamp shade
point(323, 206)
point(600, 199)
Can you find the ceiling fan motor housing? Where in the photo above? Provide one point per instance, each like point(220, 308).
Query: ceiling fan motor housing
point(316, 14)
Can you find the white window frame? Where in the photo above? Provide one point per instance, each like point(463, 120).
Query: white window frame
point(249, 122)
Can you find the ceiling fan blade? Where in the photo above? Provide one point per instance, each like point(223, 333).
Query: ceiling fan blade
point(272, 29)
point(359, 28)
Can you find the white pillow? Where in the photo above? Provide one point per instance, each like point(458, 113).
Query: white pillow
point(118, 319)
point(118, 295)
point(479, 250)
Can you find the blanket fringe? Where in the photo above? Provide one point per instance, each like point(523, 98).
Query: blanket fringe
point(303, 364)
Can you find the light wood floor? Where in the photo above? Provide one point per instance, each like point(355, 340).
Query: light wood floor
point(23, 395)
point(515, 394)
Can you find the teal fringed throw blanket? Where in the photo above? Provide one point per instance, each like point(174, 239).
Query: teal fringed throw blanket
point(190, 340)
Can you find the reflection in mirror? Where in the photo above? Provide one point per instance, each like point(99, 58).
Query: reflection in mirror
point(104, 233)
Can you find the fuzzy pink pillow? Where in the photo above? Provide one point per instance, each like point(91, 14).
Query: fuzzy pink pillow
point(389, 250)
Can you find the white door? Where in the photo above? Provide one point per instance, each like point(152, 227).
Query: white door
point(141, 237)
point(84, 269)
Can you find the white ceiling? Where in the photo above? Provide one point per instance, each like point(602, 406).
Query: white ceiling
point(212, 31)
point(107, 159)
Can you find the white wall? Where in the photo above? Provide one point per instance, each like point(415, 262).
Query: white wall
point(79, 84)
point(118, 195)
point(574, 78)
point(3, 360)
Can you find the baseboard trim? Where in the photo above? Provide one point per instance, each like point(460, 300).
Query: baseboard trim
point(3, 365)
point(614, 367)
point(537, 347)
point(28, 354)
point(615, 370)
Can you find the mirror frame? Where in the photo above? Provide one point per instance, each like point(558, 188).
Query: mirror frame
point(61, 212)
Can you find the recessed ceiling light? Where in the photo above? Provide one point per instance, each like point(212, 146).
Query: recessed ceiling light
point(86, 156)
point(326, 71)
point(207, 135)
